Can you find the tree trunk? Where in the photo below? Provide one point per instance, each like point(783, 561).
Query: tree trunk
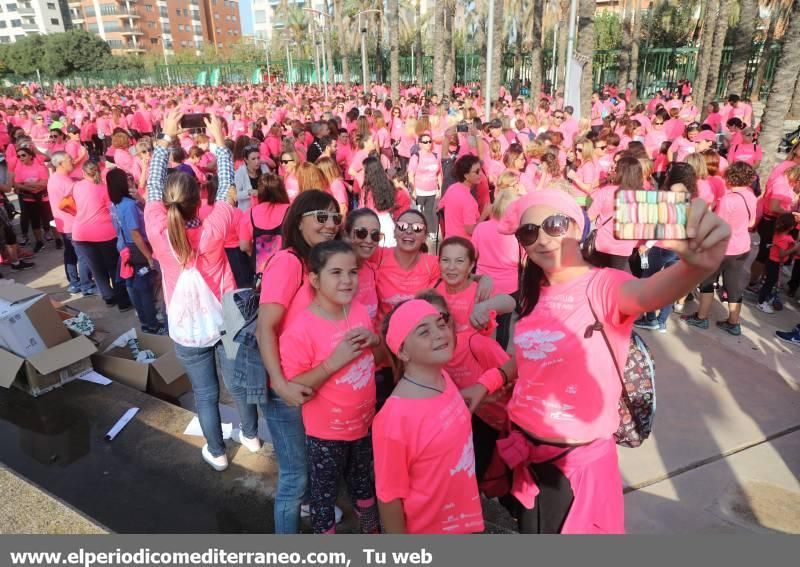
point(394, 47)
point(480, 39)
point(720, 31)
point(328, 41)
point(563, 36)
point(704, 54)
point(379, 73)
point(762, 61)
point(536, 49)
point(497, 49)
point(343, 51)
point(515, 85)
point(449, 8)
point(794, 111)
point(439, 52)
point(635, 39)
point(742, 46)
point(625, 55)
point(781, 92)
point(420, 61)
point(585, 49)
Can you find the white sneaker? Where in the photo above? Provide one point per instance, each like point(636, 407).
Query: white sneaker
point(678, 307)
point(766, 308)
point(252, 445)
point(305, 512)
point(217, 463)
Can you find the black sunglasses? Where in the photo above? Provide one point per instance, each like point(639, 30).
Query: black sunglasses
point(285, 161)
point(323, 216)
point(362, 233)
point(424, 141)
point(555, 225)
point(416, 227)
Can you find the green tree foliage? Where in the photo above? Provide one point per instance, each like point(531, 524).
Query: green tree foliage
point(607, 30)
point(25, 56)
point(670, 24)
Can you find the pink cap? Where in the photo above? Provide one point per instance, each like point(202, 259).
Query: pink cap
point(707, 135)
point(555, 198)
point(404, 319)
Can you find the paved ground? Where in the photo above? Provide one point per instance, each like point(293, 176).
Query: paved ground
point(725, 456)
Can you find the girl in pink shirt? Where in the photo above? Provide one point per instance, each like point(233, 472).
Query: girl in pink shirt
point(422, 438)
point(564, 409)
point(363, 230)
point(329, 348)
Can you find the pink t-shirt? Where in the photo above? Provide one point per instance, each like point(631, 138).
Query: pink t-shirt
point(706, 192)
point(34, 172)
point(498, 255)
point(57, 187)
point(285, 282)
point(782, 191)
point(460, 304)
point(738, 208)
point(264, 215)
point(74, 148)
point(460, 210)
point(474, 354)
point(748, 153)
point(232, 237)
point(357, 165)
point(567, 386)
point(367, 293)
point(426, 168)
point(339, 191)
point(597, 113)
point(424, 456)
point(589, 172)
point(395, 284)
point(206, 241)
point(602, 209)
point(93, 221)
point(343, 407)
point(780, 243)
point(681, 148)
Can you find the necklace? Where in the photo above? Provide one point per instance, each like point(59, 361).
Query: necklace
point(331, 316)
point(422, 385)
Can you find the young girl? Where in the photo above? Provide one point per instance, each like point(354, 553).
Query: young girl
point(783, 246)
point(422, 439)
point(363, 230)
point(457, 259)
point(328, 348)
point(564, 409)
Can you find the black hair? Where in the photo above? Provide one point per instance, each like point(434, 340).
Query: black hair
point(117, 184)
point(463, 165)
point(356, 214)
point(178, 155)
point(784, 223)
point(322, 252)
point(378, 183)
point(271, 189)
point(680, 172)
point(460, 241)
point(307, 201)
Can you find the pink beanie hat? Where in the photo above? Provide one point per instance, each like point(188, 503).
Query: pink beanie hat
point(555, 198)
point(404, 319)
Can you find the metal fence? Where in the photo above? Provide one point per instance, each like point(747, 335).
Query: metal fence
point(658, 68)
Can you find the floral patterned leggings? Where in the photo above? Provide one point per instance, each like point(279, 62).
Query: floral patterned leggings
point(328, 462)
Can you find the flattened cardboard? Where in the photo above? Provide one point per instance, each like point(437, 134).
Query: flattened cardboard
point(10, 364)
point(16, 293)
point(62, 355)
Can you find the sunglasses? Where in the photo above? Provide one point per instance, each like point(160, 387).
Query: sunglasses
point(657, 123)
point(554, 225)
point(424, 141)
point(285, 161)
point(416, 227)
point(322, 217)
point(24, 154)
point(558, 117)
point(601, 147)
point(362, 234)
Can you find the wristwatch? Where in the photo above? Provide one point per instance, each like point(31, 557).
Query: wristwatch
point(166, 137)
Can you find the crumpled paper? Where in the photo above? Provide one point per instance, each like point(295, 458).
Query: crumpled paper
point(129, 340)
point(81, 324)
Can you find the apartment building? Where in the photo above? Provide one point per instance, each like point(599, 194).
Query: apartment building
point(23, 17)
point(139, 26)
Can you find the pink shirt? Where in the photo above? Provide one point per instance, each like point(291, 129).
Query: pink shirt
point(58, 186)
point(395, 284)
point(780, 243)
point(460, 304)
point(93, 221)
point(424, 456)
point(343, 407)
point(285, 282)
point(264, 215)
point(738, 208)
point(748, 153)
point(602, 209)
point(460, 210)
point(426, 168)
point(706, 192)
point(653, 141)
point(568, 387)
point(498, 256)
point(206, 241)
point(74, 148)
point(781, 190)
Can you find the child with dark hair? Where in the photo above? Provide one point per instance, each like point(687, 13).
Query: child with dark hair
point(783, 247)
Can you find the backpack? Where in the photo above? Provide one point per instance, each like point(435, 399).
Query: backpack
point(637, 402)
point(265, 244)
point(194, 313)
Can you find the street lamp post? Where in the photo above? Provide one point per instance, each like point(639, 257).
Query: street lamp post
point(363, 31)
point(266, 55)
point(488, 102)
point(324, 53)
point(573, 16)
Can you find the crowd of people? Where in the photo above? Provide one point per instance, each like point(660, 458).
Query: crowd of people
point(425, 275)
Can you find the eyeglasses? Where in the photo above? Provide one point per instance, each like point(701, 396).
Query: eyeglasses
point(657, 123)
point(416, 227)
point(322, 217)
point(559, 117)
point(24, 154)
point(554, 225)
point(424, 141)
point(599, 147)
point(362, 234)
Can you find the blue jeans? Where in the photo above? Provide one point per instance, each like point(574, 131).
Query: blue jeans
point(140, 290)
point(248, 413)
point(78, 273)
point(201, 367)
point(289, 440)
point(103, 259)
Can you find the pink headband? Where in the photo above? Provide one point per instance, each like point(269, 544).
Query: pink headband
point(555, 198)
point(404, 319)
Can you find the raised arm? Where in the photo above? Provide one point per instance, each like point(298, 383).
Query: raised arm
point(223, 157)
point(157, 175)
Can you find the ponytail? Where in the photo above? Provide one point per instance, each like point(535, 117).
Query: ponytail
point(182, 199)
point(92, 170)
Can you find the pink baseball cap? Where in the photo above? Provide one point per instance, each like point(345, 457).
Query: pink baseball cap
point(404, 319)
point(707, 135)
point(555, 198)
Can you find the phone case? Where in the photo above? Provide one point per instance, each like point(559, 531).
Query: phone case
point(650, 215)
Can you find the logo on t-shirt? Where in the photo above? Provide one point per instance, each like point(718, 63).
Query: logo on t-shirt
point(399, 298)
point(359, 374)
point(467, 461)
point(537, 344)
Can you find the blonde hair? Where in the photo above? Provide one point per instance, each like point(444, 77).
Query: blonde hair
point(535, 149)
point(92, 171)
point(698, 163)
point(329, 169)
point(310, 177)
point(647, 167)
point(120, 140)
point(502, 199)
point(793, 174)
point(496, 150)
point(411, 127)
point(182, 199)
point(507, 180)
point(587, 149)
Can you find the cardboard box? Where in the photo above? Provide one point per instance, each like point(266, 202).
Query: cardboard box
point(163, 377)
point(40, 373)
point(29, 325)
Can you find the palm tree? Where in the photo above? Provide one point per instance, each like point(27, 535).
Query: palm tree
point(449, 7)
point(704, 55)
point(585, 49)
point(328, 38)
point(781, 92)
point(742, 45)
point(418, 41)
point(497, 48)
point(562, 8)
point(394, 47)
point(720, 31)
point(439, 48)
point(536, 46)
point(633, 76)
point(344, 53)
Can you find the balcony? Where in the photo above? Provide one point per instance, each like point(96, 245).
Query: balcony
point(132, 30)
point(30, 26)
point(134, 49)
point(26, 10)
point(122, 13)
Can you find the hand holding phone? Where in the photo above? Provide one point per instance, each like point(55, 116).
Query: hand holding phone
point(194, 121)
point(650, 215)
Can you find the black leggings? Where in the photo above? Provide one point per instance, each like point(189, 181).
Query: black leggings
point(771, 275)
point(766, 230)
point(732, 270)
point(427, 205)
point(484, 439)
point(34, 214)
point(552, 504)
point(329, 462)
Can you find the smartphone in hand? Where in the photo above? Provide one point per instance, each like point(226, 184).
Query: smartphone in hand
point(650, 215)
point(194, 121)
